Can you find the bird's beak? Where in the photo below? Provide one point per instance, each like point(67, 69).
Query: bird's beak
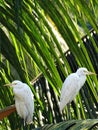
point(91, 73)
point(10, 84)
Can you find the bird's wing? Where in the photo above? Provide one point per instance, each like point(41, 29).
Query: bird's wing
point(69, 90)
point(29, 102)
point(24, 101)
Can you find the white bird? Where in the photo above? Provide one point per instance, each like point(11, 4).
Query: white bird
point(72, 85)
point(24, 100)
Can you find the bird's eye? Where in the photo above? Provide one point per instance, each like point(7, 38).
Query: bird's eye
point(15, 83)
point(85, 71)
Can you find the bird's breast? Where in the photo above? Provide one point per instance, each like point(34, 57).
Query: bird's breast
point(21, 109)
point(81, 81)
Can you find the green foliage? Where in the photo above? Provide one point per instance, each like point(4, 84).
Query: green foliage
point(28, 46)
point(72, 125)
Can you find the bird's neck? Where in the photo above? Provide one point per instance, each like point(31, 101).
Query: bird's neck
point(82, 80)
point(18, 93)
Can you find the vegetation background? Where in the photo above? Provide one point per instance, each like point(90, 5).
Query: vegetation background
point(45, 37)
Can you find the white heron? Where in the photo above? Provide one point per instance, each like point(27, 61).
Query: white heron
point(72, 85)
point(24, 100)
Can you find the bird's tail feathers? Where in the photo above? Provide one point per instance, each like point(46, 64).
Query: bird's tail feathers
point(29, 122)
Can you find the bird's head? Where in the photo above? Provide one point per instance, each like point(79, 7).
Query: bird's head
point(15, 83)
point(84, 71)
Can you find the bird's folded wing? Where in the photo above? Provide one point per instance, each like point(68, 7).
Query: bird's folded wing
point(68, 90)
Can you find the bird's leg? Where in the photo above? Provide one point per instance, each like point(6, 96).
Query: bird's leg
point(21, 123)
point(69, 112)
point(31, 126)
point(24, 125)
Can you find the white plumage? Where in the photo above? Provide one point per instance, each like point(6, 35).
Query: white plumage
point(72, 85)
point(24, 100)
